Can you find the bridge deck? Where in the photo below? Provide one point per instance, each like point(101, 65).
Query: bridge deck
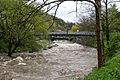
point(72, 34)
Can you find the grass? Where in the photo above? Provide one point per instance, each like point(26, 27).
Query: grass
point(110, 71)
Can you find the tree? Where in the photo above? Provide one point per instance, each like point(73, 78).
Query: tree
point(87, 23)
point(75, 28)
point(113, 20)
point(106, 25)
point(18, 23)
point(113, 25)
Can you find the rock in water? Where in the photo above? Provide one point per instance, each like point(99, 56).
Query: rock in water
point(17, 61)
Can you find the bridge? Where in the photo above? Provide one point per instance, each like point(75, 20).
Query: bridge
point(65, 35)
point(72, 34)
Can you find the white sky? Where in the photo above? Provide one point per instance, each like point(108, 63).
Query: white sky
point(66, 10)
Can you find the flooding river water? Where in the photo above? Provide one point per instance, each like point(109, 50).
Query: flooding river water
point(70, 60)
point(66, 61)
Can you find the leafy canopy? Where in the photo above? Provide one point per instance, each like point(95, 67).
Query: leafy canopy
point(18, 23)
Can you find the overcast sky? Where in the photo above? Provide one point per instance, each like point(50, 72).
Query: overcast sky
point(66, 10)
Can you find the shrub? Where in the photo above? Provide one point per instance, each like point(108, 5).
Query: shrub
point(113, 47)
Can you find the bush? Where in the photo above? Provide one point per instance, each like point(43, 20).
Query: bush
point(113, 47)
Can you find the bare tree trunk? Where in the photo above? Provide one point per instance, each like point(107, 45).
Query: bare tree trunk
point(107, 26)
point(99, 33)
point(11, 49)
point(9, 54)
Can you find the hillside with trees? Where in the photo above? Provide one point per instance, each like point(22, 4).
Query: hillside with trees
point(61, 24)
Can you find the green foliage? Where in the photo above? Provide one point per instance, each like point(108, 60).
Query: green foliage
point(110, 71)
point(32, 46)
point(19, 23)
point(113, 47)
point(75, 28)
point(61, 23)
point(113, 19)
point(2, 46)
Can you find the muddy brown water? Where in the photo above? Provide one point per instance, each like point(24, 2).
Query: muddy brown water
point(67, 61)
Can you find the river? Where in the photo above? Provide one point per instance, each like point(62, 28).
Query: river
point(70, 60)
point(66, 61)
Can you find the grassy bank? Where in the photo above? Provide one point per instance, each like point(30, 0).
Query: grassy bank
point(110, 71)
